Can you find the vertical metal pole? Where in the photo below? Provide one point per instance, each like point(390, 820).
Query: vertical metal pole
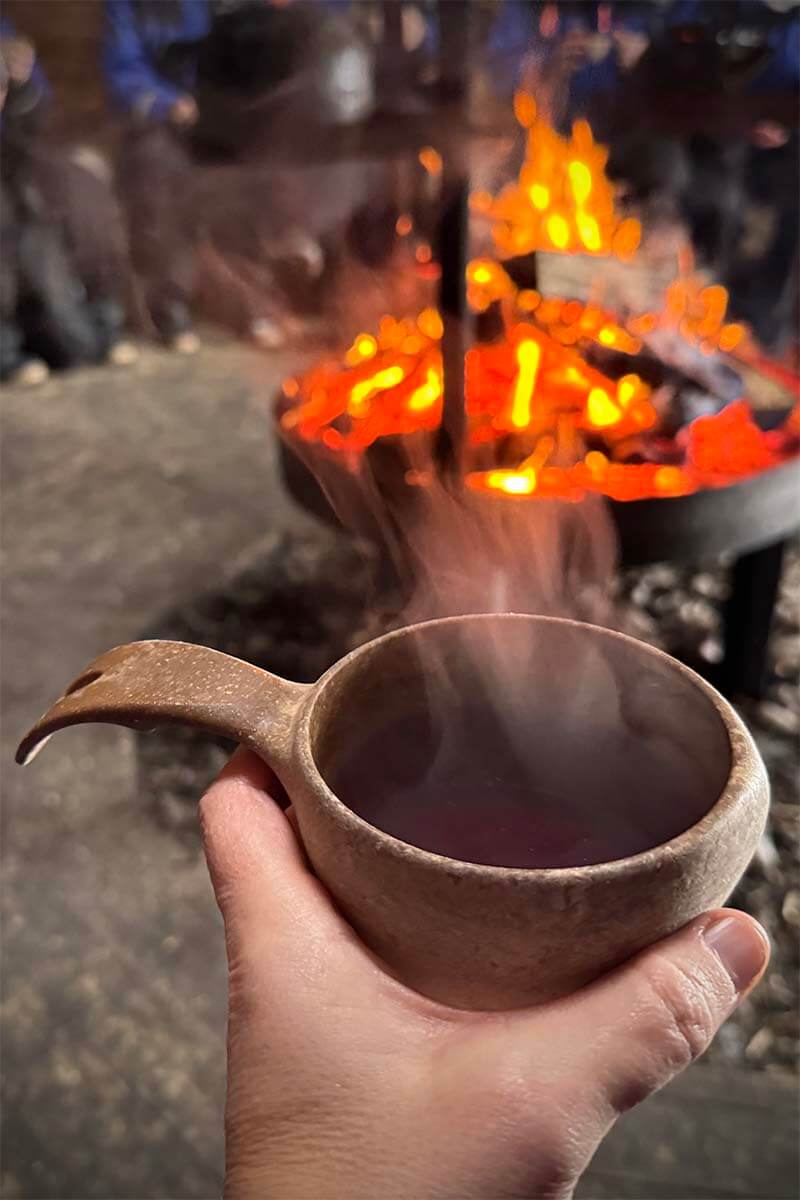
point(453, 236)
point(452, 255)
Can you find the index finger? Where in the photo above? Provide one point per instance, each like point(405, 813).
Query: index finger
point(277, 914)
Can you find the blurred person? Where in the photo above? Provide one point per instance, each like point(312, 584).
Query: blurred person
point(63, 257)
point(25, 88)
point(212, 84)
point(272, 78)
point(266, 65)
point(22, 90)
point(734, 170)
point(150, 56)
point(740, 59)
point(632, 69)
point(343, 1082)
point(406, 39)
point(566, 52)
point(765, 282)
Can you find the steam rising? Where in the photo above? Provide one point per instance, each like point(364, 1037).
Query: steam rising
point(502, 737)
point(479, 765)
point(529, 745)
point(456, 551)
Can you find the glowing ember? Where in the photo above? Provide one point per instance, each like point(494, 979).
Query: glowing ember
point(729, 444)
point(431, 160)
point(528, 357)
point(537, 390)
point(543, 418)
point(697, 312)
point(601, 411)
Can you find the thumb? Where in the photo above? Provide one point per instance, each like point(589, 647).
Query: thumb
point(639, 1026)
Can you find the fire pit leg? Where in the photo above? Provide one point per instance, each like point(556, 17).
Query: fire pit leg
point(755, 578)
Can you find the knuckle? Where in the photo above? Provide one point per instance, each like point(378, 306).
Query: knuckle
point(243, 996)
point(537, 1128)
point(684, 1020)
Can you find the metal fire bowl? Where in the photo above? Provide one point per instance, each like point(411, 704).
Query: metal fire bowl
point(755, 512)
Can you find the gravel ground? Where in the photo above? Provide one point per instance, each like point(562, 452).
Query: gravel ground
point(679, 610)
point(307, 599)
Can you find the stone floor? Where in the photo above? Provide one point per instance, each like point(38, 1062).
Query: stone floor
point(125, 494)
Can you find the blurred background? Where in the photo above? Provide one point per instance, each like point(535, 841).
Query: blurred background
point(283, 284)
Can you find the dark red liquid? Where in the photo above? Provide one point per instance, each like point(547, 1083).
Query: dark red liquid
point(535, 793)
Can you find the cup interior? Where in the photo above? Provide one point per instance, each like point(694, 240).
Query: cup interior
point(520, 741)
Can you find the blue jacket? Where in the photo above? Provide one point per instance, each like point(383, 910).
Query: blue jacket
point(131, 50)
point(514, 35)
point(133, 46)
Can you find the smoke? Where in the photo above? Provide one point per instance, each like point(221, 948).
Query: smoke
point(502, 742)
point(527, 744)
point(477, 763)
point(476, 552)
point(448, 550)
point(535, 747)
point(452, 550)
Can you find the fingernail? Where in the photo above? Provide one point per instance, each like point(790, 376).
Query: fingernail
point(741, 946)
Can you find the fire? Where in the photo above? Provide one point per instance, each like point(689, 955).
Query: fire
point(430, 324)
point(379, 382)
point(513, 483)
point(431, 160)
point(729, 444)
point(525, 382)
point(698, 311)
point(562, 199)
point(428, 393)
point(544, 416)
point(487, 282)
point(364, 347)
point(528, 358)
point(532, 393)
point(601, 411)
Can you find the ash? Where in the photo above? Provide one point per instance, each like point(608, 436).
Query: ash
point(308, 598)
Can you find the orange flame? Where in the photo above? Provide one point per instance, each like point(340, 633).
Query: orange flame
point(562, 200)
point(431, 160)
point(698, 311)
point(528, 357)
point(542, 420)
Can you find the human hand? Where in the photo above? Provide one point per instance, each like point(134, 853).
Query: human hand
point(19, 56)
point(630, 46)
point(344, 1083)
point(184, 111)
point(769, 135)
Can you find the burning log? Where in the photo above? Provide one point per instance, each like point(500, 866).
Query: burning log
point(573, 398)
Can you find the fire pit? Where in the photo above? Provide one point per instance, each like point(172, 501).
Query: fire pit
point(669, 413)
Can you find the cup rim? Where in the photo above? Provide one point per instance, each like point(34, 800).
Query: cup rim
point(744, 762)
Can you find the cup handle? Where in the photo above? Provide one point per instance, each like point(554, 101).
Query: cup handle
point(146, 684)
